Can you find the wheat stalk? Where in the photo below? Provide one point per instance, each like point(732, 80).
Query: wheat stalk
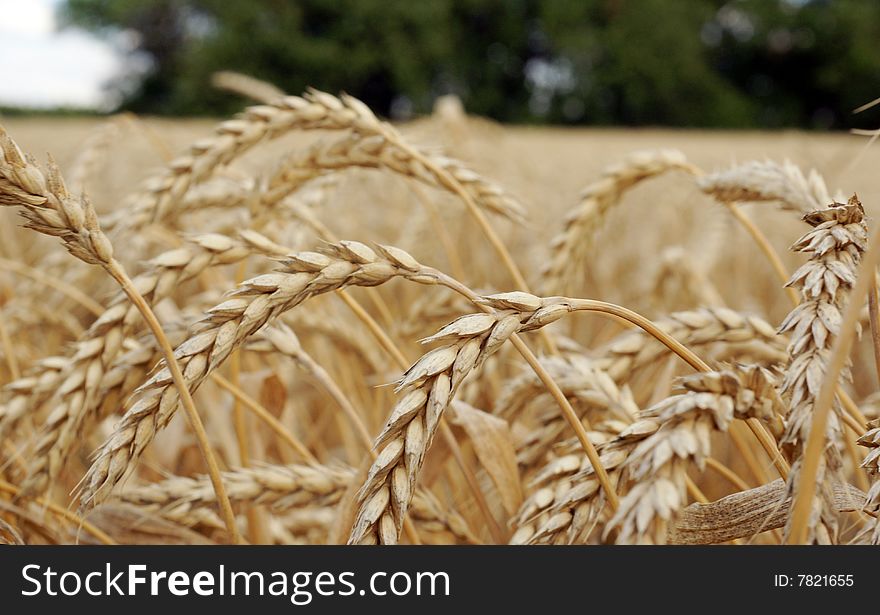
point(741, 336)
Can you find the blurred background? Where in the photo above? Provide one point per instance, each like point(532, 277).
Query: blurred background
point(705, 63)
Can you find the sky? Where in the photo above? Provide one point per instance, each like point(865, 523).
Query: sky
point(43, 67)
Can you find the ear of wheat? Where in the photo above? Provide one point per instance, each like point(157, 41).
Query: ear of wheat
point(570, 248)
point(744, 335)
point(835, 245)
point(768, 181)
point(315, 489)
point(658, 465)
point(657, 447)
point(317, 110)
point(375, 151)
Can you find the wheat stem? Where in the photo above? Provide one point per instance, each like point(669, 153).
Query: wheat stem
point(51, 281)
point(185, 397)
point(9, 350)
point(874, 315)
point(264, 415)
point(765, 247)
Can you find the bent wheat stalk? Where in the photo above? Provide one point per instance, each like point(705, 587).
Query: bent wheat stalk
point(228, 324)
point(570, 249)
point(375, 151)
point(50, 209)
point(431, 383)
point(232, 138)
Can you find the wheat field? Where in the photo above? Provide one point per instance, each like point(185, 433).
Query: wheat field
point(305, 325)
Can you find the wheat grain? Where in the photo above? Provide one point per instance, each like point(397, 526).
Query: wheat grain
point(429, 386)
point(49, 208)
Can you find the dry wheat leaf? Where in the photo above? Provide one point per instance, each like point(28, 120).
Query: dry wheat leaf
point(493, 445)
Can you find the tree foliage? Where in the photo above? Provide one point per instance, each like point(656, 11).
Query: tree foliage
point(735, 63)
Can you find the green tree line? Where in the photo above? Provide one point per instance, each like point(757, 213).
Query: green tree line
point(702, 63)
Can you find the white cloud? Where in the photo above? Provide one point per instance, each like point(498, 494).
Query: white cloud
point(33, 17)
point(40, 66)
